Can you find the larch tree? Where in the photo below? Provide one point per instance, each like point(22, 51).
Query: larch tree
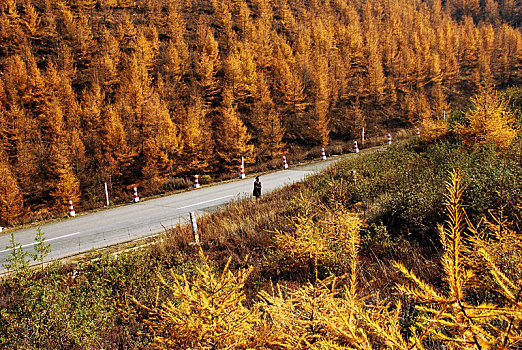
point(197, 145)
point(29, 153)
point(147, 47)
point(223, 20)
point(59, 85)
point(160, 136)
point(469, 54)
point(355, 119)
point(91, 108)
point(263, 35)
point(31, 21)
point(62, 181)
point(291, 87)
point(207, 61)
point(174, 57)
point(11, 200)
point(105, 64)
point(241, 73)
point(231, 136)
point(269, 129)
point(134, 92)
point(489, 120)
point(320, 127)
point(117, 155)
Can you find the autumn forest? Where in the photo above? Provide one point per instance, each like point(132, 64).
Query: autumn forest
point(135, 92)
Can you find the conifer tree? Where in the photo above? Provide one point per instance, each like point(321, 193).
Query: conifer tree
point(320, 127)
point(206, 61)
point(270, 131)
point(11, 200)
point(196, 138)
point(160, 139)
point(63, 182)
point(231, 136)
point(31, 21)
point(488, 121)
point(223, 19)
point(29, 152)
point(117, 155)
point(262, 37)
point(292, 90)
point(453, 315)
point(206, 311)
point(105, 65)
point(241, 73)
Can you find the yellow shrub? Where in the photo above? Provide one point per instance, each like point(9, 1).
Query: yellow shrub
point(332, 238)
point(470, 260)
point(432, 129)
point(488, 121)
point(206, 312)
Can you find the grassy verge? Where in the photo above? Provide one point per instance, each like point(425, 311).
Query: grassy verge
point(398, 192)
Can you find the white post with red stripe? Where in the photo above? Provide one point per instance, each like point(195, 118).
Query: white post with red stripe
point(417, 131)
point(71, 209)
point(355, 147)
point(196, 181)
point(242, 175)
point(136, 198)
point(285, 164)
point(389, 139)
point(323, 154)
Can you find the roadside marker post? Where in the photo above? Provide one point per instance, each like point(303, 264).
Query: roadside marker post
point(242, 175)
point(417, 131)
point(106, 194)
point(196, 181)
point(389, 139)
point(194, 226)
point(71, 209)
point(355, 147)
point(285, 164)
point(362, 136)
point(323, 154)
point(136, 198)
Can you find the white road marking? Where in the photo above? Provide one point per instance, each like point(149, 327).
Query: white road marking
point(210, 200)
point(47, 240)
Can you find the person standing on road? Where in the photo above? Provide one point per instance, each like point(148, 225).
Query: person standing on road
point(257, 188)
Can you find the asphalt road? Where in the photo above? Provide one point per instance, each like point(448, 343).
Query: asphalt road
point(120, 224)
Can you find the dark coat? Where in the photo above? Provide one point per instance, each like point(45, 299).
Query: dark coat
point(257, 188)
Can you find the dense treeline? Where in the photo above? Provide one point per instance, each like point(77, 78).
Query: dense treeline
point(136, 91)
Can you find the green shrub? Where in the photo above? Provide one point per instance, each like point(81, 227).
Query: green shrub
point(403, 187)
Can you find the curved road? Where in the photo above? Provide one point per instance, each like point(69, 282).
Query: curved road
point(107, 227)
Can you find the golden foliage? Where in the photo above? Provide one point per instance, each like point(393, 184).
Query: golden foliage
point(11, 203)
point(470, 259)
point(433, 129)
point(204, 312)
point(332, 238)
point(322, 64)
point(208, 311)
point(326, 316)
point(488, 121)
